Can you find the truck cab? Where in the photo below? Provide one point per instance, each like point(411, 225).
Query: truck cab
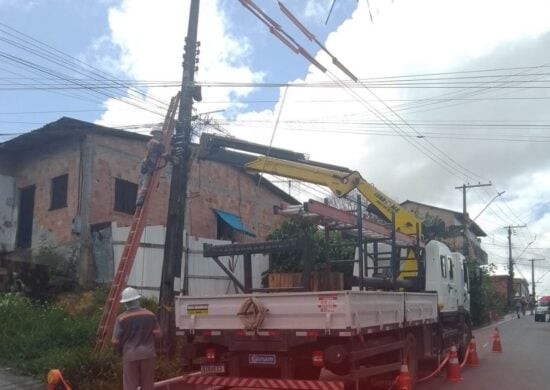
point(442, 276)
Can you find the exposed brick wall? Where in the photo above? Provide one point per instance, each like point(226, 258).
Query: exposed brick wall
point(119, 158)
point(215, 185)
point(38, 167)
point(211, 185)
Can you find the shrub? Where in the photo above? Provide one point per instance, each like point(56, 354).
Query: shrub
point(36, 337)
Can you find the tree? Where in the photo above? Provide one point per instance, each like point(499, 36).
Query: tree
point(337, 248)
point(484, 299)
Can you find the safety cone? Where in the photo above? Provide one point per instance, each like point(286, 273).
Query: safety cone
point(497, 347)
point(404, 379)
point(453, 367)
point(55, 377)
point(473, 360)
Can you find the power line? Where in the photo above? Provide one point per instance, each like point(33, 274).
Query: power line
point(50, 54)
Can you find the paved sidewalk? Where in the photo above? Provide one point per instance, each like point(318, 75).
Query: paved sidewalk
point(9, 381)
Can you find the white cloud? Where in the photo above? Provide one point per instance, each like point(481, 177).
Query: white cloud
point(428, 37)
point(317, 9)
point(424, 36)
point(149, 37)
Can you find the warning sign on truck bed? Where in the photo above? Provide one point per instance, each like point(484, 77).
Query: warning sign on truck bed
point(197, 310)
point(327, 303)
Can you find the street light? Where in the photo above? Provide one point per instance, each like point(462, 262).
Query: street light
point(488, 204)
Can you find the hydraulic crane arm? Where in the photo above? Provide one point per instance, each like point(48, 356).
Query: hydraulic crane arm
point(293, 165)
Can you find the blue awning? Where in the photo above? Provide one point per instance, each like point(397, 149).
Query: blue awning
point(234, 222)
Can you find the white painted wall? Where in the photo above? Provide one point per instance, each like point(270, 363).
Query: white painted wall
point(205, 276)
point(8, 221)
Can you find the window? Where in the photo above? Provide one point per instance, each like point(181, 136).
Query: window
point(25, 217)
point(125, 196)
point(451, 269)
point(443, 261)
point(59, 192)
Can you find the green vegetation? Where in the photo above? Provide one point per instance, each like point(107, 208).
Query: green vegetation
point(484, 299)
point(291, 261)
point(36, 337)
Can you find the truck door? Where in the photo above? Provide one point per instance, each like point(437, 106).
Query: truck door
point(466, 284)
point(461, 281)
point(452, 299)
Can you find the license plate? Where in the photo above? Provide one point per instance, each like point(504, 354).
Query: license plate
point(213, 368)
point(255, 358)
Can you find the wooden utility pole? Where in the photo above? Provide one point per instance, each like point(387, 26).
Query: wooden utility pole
point(464, 187)
point(510, 287)
point(533, 276)
point(181, 151)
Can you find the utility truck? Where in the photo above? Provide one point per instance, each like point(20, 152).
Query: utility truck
point(409, 301)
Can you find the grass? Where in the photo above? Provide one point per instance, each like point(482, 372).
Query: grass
point(36, 337)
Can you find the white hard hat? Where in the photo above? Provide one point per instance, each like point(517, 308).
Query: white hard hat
point(156, 130)
point(129, 294)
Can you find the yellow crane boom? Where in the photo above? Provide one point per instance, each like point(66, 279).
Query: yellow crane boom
point(340, 180)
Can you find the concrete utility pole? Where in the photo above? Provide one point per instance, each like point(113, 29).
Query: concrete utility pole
point(510, 287)
point(181, 148)
point(533, 276)
point(464, 187)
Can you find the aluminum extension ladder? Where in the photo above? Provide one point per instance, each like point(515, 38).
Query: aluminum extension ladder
point(110, 310)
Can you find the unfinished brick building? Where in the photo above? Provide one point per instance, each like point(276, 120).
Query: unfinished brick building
point(63, 182)
point(446, 225)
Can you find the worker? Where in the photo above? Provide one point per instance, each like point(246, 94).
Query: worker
point(155, 150)
point(135, 337)
point(518, 304)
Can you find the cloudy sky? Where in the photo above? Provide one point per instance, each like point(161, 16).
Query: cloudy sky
point(449, 92)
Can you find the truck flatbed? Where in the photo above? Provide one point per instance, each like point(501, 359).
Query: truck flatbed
point(334, 313)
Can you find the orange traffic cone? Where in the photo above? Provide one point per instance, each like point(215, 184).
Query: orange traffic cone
point(497, 347)
point(453, 367)
point(54, 377)
point(404, 379)
point(473, 360)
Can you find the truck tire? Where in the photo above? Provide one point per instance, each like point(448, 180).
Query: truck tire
point(410, 354)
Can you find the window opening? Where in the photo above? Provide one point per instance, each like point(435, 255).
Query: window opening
point(125, 196)
point(59, 188)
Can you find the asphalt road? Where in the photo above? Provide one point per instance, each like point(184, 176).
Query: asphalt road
point(10, 381)
point(524, 363)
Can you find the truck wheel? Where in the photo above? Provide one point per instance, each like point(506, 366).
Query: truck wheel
point(411, 357)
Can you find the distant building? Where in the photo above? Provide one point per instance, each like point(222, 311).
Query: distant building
point(62, 184)
point(446, 226)
point(500, 283)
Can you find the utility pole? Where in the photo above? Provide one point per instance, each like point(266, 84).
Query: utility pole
point(464, 187)
point(533, 276)
point(181, 148)
point(510, 287)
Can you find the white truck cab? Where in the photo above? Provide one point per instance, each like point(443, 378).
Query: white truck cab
point(447, 274)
